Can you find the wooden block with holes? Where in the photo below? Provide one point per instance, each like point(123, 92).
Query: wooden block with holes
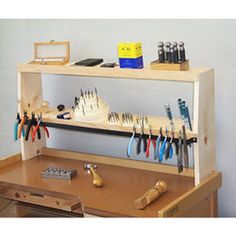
point(182, 66)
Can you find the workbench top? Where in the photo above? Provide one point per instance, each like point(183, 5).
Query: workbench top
point(122, 185)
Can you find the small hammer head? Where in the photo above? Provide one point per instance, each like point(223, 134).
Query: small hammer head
point(87, 166)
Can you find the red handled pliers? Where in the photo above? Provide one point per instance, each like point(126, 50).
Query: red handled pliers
point(38, 126)
point(150, 139)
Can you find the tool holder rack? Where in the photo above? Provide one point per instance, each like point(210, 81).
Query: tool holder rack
point(203, 135)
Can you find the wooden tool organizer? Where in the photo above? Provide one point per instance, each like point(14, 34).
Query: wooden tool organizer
point(30, 99)
point(193, 192)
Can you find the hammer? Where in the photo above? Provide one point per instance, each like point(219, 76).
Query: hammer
point(97, 180)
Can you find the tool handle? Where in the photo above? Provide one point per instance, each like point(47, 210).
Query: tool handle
point(167, 154)
point(129, 148)
point(139, 144)
point(144, 143)
point(151, 195)
point(34, 132)
point(148, 148)
point(97, 180)
point(158, 141)
point(46, 130)
point(186, 158)
point(16, 131)
point(162, 151)
point(21, 127)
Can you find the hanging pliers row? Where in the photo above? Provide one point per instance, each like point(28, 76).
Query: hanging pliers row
point(33, 127)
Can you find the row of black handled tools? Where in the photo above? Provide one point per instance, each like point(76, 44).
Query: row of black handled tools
point(33, 126)
point(163, 143)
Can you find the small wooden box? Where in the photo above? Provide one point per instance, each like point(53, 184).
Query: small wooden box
point(51, 53)
point(183, 66)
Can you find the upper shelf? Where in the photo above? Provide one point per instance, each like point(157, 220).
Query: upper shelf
point(96, 71)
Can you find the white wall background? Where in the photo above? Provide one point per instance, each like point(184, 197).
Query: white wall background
point(209, 43)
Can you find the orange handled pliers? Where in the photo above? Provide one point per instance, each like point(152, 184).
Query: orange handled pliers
point(38, 126)
point(150, 139)
point(21, 124)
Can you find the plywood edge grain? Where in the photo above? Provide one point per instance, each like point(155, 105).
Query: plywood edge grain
point(8, 160)
point(96, 71)
point(188, 200)
point(130, 163)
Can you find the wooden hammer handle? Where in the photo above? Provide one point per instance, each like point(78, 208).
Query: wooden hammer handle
point(97, 180)
point(151, 195)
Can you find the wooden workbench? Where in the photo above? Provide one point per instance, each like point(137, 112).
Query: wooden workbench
point(21, 181)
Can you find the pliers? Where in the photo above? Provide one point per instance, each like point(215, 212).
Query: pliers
point(32, 122)
point(129, 148)
point(142, 137)
point(17, 123)
point(150, 139)
point(38, 126)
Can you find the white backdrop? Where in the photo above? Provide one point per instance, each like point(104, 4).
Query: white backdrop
point(209, 43)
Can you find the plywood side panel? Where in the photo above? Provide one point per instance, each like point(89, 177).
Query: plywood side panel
point(30, 97)
point(204, 125)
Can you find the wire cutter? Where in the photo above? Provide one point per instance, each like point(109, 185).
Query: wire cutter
point(32, 122)
point(17, 123)
point(131, 140)
point(150, 139)
point(38, 126)
point(142, 137)
point(158, 142)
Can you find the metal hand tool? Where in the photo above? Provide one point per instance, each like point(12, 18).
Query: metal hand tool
point(169, 115)
point(163, 146)
point(158, 142)
point(113, 117)
point(96, 93)
point(127, 118)
point(161, 53)
point(169, 149)
point(182, 57)
point(184, 113)
point(32, 122)
point(24, 118)
point(150, 139)
point(131, 140)
point(142, 137)
point(176, 54)
point(186, 157)
point(180, 153)
point(167, 50)
point(17, 122)
point(97, 180)
point(172, 60)
point(38, 127)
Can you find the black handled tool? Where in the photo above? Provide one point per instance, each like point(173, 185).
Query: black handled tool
point(180, 153)
point(161, 53)
point(167, 50)
point(142, 137)
point(176, 54)
point(186, 158)
point(182, 57)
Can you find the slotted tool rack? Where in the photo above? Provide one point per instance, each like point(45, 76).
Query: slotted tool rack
point(203, 135)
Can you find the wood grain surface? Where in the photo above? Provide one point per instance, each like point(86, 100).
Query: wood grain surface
point(121, 185)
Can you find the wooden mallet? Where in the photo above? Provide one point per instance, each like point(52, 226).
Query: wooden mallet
point(151, 195)
point(97, 180)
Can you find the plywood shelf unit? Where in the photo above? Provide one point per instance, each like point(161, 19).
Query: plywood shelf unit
point(30, 99)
